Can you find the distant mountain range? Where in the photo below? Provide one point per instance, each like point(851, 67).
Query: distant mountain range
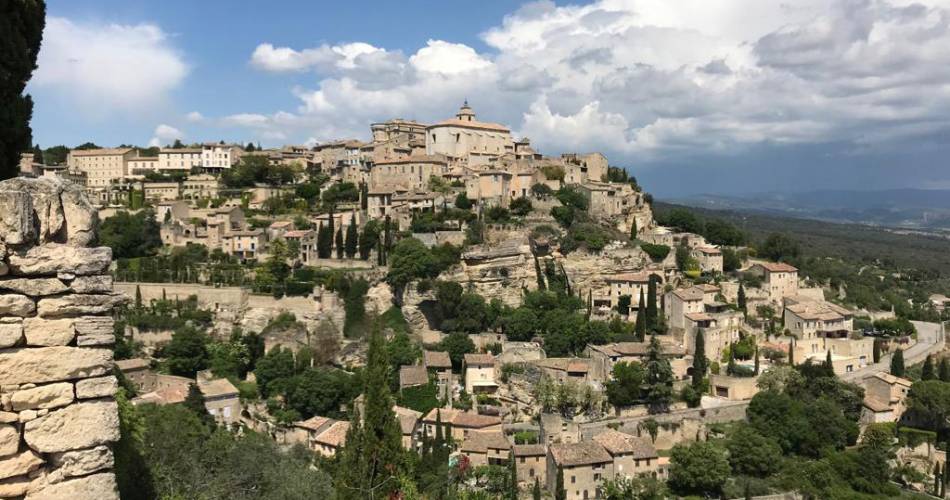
point(907, 208)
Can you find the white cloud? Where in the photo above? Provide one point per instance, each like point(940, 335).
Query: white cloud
point(108, 68)
point(647, 79)
point(165, 134)
point(194, 116)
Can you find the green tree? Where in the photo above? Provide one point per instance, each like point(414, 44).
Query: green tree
point(536, 491)
point(131, 235)
point(876, 351)
point(324, 242)
point(779, 247)
point(659, 378)
point(698, 468)
point(338, 243)
point(633, 230)
point(457, 345)
point(21, 25)
point(187, 353)
point(700, 363)
point(752, 454)
point(369, 239)
point(410, 260)
point(652, 314)
point(640, 326)
point(626, 386)
point(897, 363)
point(372, 457)
point(512, 490)
point(352, 233)
point(520, 206)
point(195, 401)
point(462, 202)
point(927, 372)
point(943, 370)
point(559, 492)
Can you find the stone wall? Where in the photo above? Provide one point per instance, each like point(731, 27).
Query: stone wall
point(59, 417)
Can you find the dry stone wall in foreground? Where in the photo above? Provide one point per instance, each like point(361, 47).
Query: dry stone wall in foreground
point(58, 415)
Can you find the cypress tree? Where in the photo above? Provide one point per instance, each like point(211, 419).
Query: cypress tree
point(791, 353)
point(138, 297)
point(513, 477)
point(387, 235)
point(21, 23)
point(559, 492)
point(330, 223)
point(338, 243)
point(651, 304)
point(370, 466)
point(756, 371)
point(943, 370)
point(876, 352)
point(324, 242)
point(640, 328)
point(352, 237)
point(700, 363)
point(927, 372)
point(946, 476)
point(536, 492)
point(829, 366)
point(897, 363)
point(741, 301)
point(633, 230)
point(937, 480)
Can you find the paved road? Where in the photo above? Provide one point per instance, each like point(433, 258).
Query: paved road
point(930, 339)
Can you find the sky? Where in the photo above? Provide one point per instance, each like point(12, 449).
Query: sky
point(691, 96)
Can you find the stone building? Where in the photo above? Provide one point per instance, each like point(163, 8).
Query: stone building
point(58, 418)
point(633, 456)
point(466, 138)
point(778, 279)
point(101, 166)
point(531, 463)
point(584, 467)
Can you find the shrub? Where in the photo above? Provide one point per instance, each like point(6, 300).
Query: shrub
point(656, 252)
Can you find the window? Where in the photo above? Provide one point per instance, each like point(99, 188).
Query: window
point(531, 472)
point(573, 479)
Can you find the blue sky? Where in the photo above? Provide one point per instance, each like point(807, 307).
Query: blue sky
point(692, 96)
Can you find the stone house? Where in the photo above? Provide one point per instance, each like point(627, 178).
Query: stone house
point(410, 424)
point(412, 376)
point(328, 442)
point(733, 388)
point(779, 279)
point(584, 467)
point(467, 139)
point(486, 448)
point(680, 302)
point(566, 369)
point(531, 463)
point(479, 373)
point(633, 456)
point(410, 173)
point(305, 431)
point(137, 371)
point(101, 166)
point(459, 423)
point(709, 258)
point(222, 400)
point(437, 362)
point(604, 357)
point(884, 397)
point(630, 284)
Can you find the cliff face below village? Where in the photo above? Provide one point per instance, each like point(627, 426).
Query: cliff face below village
point(58, 415)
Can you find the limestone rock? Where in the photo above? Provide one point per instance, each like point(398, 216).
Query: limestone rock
point(82, 462)
point(7, 417)
point(10, 333)
point(18, 465)
point(34, 287)
point(27, 415)
point(82, 425)
point(81, 217)
point(14, 487)
point(49, 332)
point(16, 215)
point(100, 283)
point(16, 305)
point(100, 486)
point(379, 298)
point(53, 364)
point(4, 268)
point(9, 440)
point(97, 387)
point(53, 258)
point(44, 396)
point(94, 325)
point(78, 305)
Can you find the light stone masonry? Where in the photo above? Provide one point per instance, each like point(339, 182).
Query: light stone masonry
point(58, 416)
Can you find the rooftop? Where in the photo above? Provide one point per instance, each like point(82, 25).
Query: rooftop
point(476, 359)
point(436, 359)
point(482, 441)
point(528, 450)
point(777, 267)
point(618, 443)
point(335, 435)
point(584, 453)
point(312, 423)
point(411, 375)
point(131, 364)
point(217, 387)
point(689, 294)
point(458, 418)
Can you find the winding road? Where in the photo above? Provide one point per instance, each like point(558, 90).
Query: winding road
point(930, 339)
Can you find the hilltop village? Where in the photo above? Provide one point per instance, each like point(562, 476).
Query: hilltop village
point(534, 319)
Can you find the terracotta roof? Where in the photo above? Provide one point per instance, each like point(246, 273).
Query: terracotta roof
point(570, 365)
point(217, 387)
point(528, 450)
point(179, 151)
point(280, 223)
point(584, 453)
point(891, 379)
point(408, 418)
point(708, 288)
point(638, 348)
point(455, 122)
point(100, 152)
point(618, 443)
point(312, 423)
point(458, 418)
point(691, 293)
point(777, 267)
point(411, 375)
point(698, 317)
point(436, 359)
point(415, 159)
point(476, 359)
point(876, 405)
point(825, 311)
point(482, 441)
point(335, 435)
point(299, 233)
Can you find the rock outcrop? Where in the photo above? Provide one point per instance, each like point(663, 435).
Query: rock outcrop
point(58, 416)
